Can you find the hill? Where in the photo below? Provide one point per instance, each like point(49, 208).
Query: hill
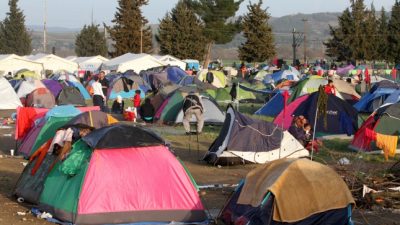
point(317, 25)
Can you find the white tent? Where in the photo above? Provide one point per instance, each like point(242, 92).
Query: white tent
point(71, 58)
point(92, 63)
point(129, 61)
point(170, 60)
point(54, 63)
point(13, 63)
point(11, 101)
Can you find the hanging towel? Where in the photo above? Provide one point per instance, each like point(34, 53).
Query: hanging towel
point(387, 143)
point(346, 124)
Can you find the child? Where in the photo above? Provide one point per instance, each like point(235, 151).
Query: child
point(118, 105)
point(308, 142)
point(136, 103)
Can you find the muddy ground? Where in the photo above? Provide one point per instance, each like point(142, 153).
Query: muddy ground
point(186, 149)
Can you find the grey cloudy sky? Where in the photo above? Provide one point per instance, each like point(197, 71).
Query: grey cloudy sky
point(76, 13)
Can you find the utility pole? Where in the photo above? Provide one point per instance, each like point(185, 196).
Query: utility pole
point(298, 38)
point(44, 27)
point(305, 40)
point(141, 39)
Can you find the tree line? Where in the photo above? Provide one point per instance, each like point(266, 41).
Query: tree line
point(189, 30)
point(362, 34)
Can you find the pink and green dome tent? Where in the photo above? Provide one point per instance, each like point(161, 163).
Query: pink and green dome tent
point(121, 174)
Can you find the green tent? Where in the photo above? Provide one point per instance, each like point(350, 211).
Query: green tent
point(306, 86)
point(27, 73)
point(219, 77)
point(221, 95)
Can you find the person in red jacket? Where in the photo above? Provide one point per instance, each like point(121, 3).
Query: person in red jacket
point(136, 99)
point(330, 88)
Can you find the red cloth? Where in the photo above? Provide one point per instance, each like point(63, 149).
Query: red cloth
point(40, 154)
point(367, 77)
point(129, 116)
point(394, 73)
point(330, 90)
point(136, 101)
point(285, 99)
point(370, 134)
point(26, 116)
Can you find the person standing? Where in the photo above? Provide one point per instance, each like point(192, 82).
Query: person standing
point(192, 105)
point(233, 92)
point(136, 103)
point(98, 95)
point(104, 82)
point(330, 88)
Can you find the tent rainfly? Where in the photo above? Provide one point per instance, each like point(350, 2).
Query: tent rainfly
point(54, 63)
point(130, 61)
point(13, 63)
point(92, 63)
point(172, 61)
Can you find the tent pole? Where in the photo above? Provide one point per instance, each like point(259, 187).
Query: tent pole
point(313, 137)
point(238, 96)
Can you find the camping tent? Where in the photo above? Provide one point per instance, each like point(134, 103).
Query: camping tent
point(54, 86)
point(123, 86)
point(192, 63)
point(25, 87)
point(45, 129)
point(171, 111)
point(385, 121)
point(54, 63)
point(344, 71)
point(40, 97)
point(290, 192)
point(92, 63)
point(279, 75)
point(219, 77)
point(13, 63)
point(71, 80)
point(376, 96)
point(273, 107)
point(74, 189)
point(341, 117)
point(129, 61)
point(27, 74)
point(252, 140)
point(30, 183)
point(172, 61)
point(10, 99)
point(159, 77)
point(70, 95)
point(346, 90)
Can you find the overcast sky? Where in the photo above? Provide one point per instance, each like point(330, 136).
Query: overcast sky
point(76, 13)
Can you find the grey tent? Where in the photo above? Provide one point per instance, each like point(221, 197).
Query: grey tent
point(70, 96)
point(245, 139)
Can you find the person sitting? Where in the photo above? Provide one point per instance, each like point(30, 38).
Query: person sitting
point(308, 141)
point(118, 105)
point(330, 88)
point(192, 105)
point(297, 129)
point(147, 111)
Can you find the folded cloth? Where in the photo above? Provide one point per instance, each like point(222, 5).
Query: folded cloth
point(387, 143)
